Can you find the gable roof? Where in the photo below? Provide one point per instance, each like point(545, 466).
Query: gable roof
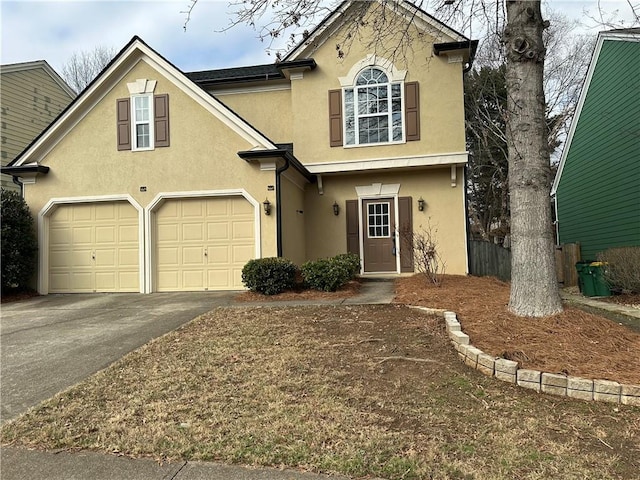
point(336, 19)
point(135, 51)
point(627, 34)
point(39, 64)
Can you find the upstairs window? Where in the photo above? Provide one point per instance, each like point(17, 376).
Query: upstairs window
point(375, 106)
point(143, 118)
point(373, 109)
point(142, 115)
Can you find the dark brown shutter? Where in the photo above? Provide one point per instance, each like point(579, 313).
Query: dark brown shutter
point(405, 208)
point(412, 111)
point(161, 119)
point(123, 120)
point(335, 118)
point(353, 227)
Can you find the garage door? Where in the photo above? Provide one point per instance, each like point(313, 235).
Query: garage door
point(93, 247)
point(203, 243)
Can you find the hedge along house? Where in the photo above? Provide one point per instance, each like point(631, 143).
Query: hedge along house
point(597, 187)
point(159, 180)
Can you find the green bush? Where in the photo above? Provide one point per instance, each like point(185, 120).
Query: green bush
point(351, 261)
point(622, 267)
point(269, 276)
point(329, 274)
point(19, 242)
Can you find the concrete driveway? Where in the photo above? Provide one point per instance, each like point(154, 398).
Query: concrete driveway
point(50, 343)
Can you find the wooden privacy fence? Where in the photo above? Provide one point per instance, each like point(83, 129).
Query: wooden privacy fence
point(492, 260)
point(567, 255)
point(489, 260)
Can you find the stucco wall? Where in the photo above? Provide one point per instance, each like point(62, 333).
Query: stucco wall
point(441, 104)
point(267, 110)
point(202, 156)
point(444, 211)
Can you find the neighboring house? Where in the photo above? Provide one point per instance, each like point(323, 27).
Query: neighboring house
point(159, 180)
point(597, 186)
point(33, 95)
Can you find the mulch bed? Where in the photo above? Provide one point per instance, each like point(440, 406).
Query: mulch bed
point(573, 342)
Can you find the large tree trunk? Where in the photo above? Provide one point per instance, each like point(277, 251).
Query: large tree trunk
point(534, 289)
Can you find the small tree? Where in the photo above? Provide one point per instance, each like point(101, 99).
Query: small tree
point(426, 258)
point(19, 243)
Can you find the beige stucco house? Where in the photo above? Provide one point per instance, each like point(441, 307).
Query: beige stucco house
point(159, 180)
point(33, 95)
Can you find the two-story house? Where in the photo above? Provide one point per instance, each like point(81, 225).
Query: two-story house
point(160, 180)
point(33, 95)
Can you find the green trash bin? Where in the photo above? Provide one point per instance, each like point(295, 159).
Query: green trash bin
point(585, 279)
point(600, 285)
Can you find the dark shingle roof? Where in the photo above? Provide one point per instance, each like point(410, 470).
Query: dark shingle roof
point(252, 73)
point(237, 74)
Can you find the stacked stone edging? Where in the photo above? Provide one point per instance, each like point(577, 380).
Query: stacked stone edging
point(541, 382)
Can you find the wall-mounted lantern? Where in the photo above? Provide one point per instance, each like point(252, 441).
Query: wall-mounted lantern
point(267, 206)
point(421, 204)
point(336, 208)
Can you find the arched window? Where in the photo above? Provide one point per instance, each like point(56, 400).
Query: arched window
point(373, 109)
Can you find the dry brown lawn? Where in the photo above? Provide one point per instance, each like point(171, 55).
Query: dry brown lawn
point(363, 391)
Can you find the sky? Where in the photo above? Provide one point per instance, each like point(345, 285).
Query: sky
point(54, 30)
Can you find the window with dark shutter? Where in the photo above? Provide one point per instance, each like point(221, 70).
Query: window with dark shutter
point(412, 111)
point(160, 133)
point(335, 118)
point(123, 119)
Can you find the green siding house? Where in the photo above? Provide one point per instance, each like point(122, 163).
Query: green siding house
point(597, 188)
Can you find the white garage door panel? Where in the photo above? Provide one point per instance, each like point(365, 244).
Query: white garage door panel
point(203, 243)
point(93, 247)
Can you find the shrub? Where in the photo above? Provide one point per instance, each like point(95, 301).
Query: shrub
point(19, 242)
point(351, 261)
point(269, 276)
point(623, 267)
point(329, 274)
point(426, 257)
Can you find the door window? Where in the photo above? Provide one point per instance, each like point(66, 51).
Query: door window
point(378, 218)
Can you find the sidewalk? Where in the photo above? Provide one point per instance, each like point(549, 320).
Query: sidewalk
point(22, 464)
point(618, 313)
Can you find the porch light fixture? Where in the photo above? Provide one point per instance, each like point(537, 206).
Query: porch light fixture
point(267, 206)
point(421, 204)
point(336, 208)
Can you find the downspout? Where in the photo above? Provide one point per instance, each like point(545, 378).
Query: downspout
point(279, 206)
point(20, 185)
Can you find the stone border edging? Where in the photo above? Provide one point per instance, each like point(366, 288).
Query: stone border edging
point(551, 383)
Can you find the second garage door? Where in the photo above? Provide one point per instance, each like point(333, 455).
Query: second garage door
point(203, 243)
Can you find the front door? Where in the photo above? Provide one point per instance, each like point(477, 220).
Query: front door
point(379, 235)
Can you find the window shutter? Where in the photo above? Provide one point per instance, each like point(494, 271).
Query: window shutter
point(353, 227)
point(161, 119)
point(123, 121)
point(412, 111)
point(335, 118)
point(405, 210)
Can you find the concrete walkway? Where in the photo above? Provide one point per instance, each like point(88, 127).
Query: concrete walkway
point(618, 313)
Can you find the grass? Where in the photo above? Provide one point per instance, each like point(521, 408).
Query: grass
point(309, 388)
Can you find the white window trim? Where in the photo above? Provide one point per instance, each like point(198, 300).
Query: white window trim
point(135, 123)
point(394, 76)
